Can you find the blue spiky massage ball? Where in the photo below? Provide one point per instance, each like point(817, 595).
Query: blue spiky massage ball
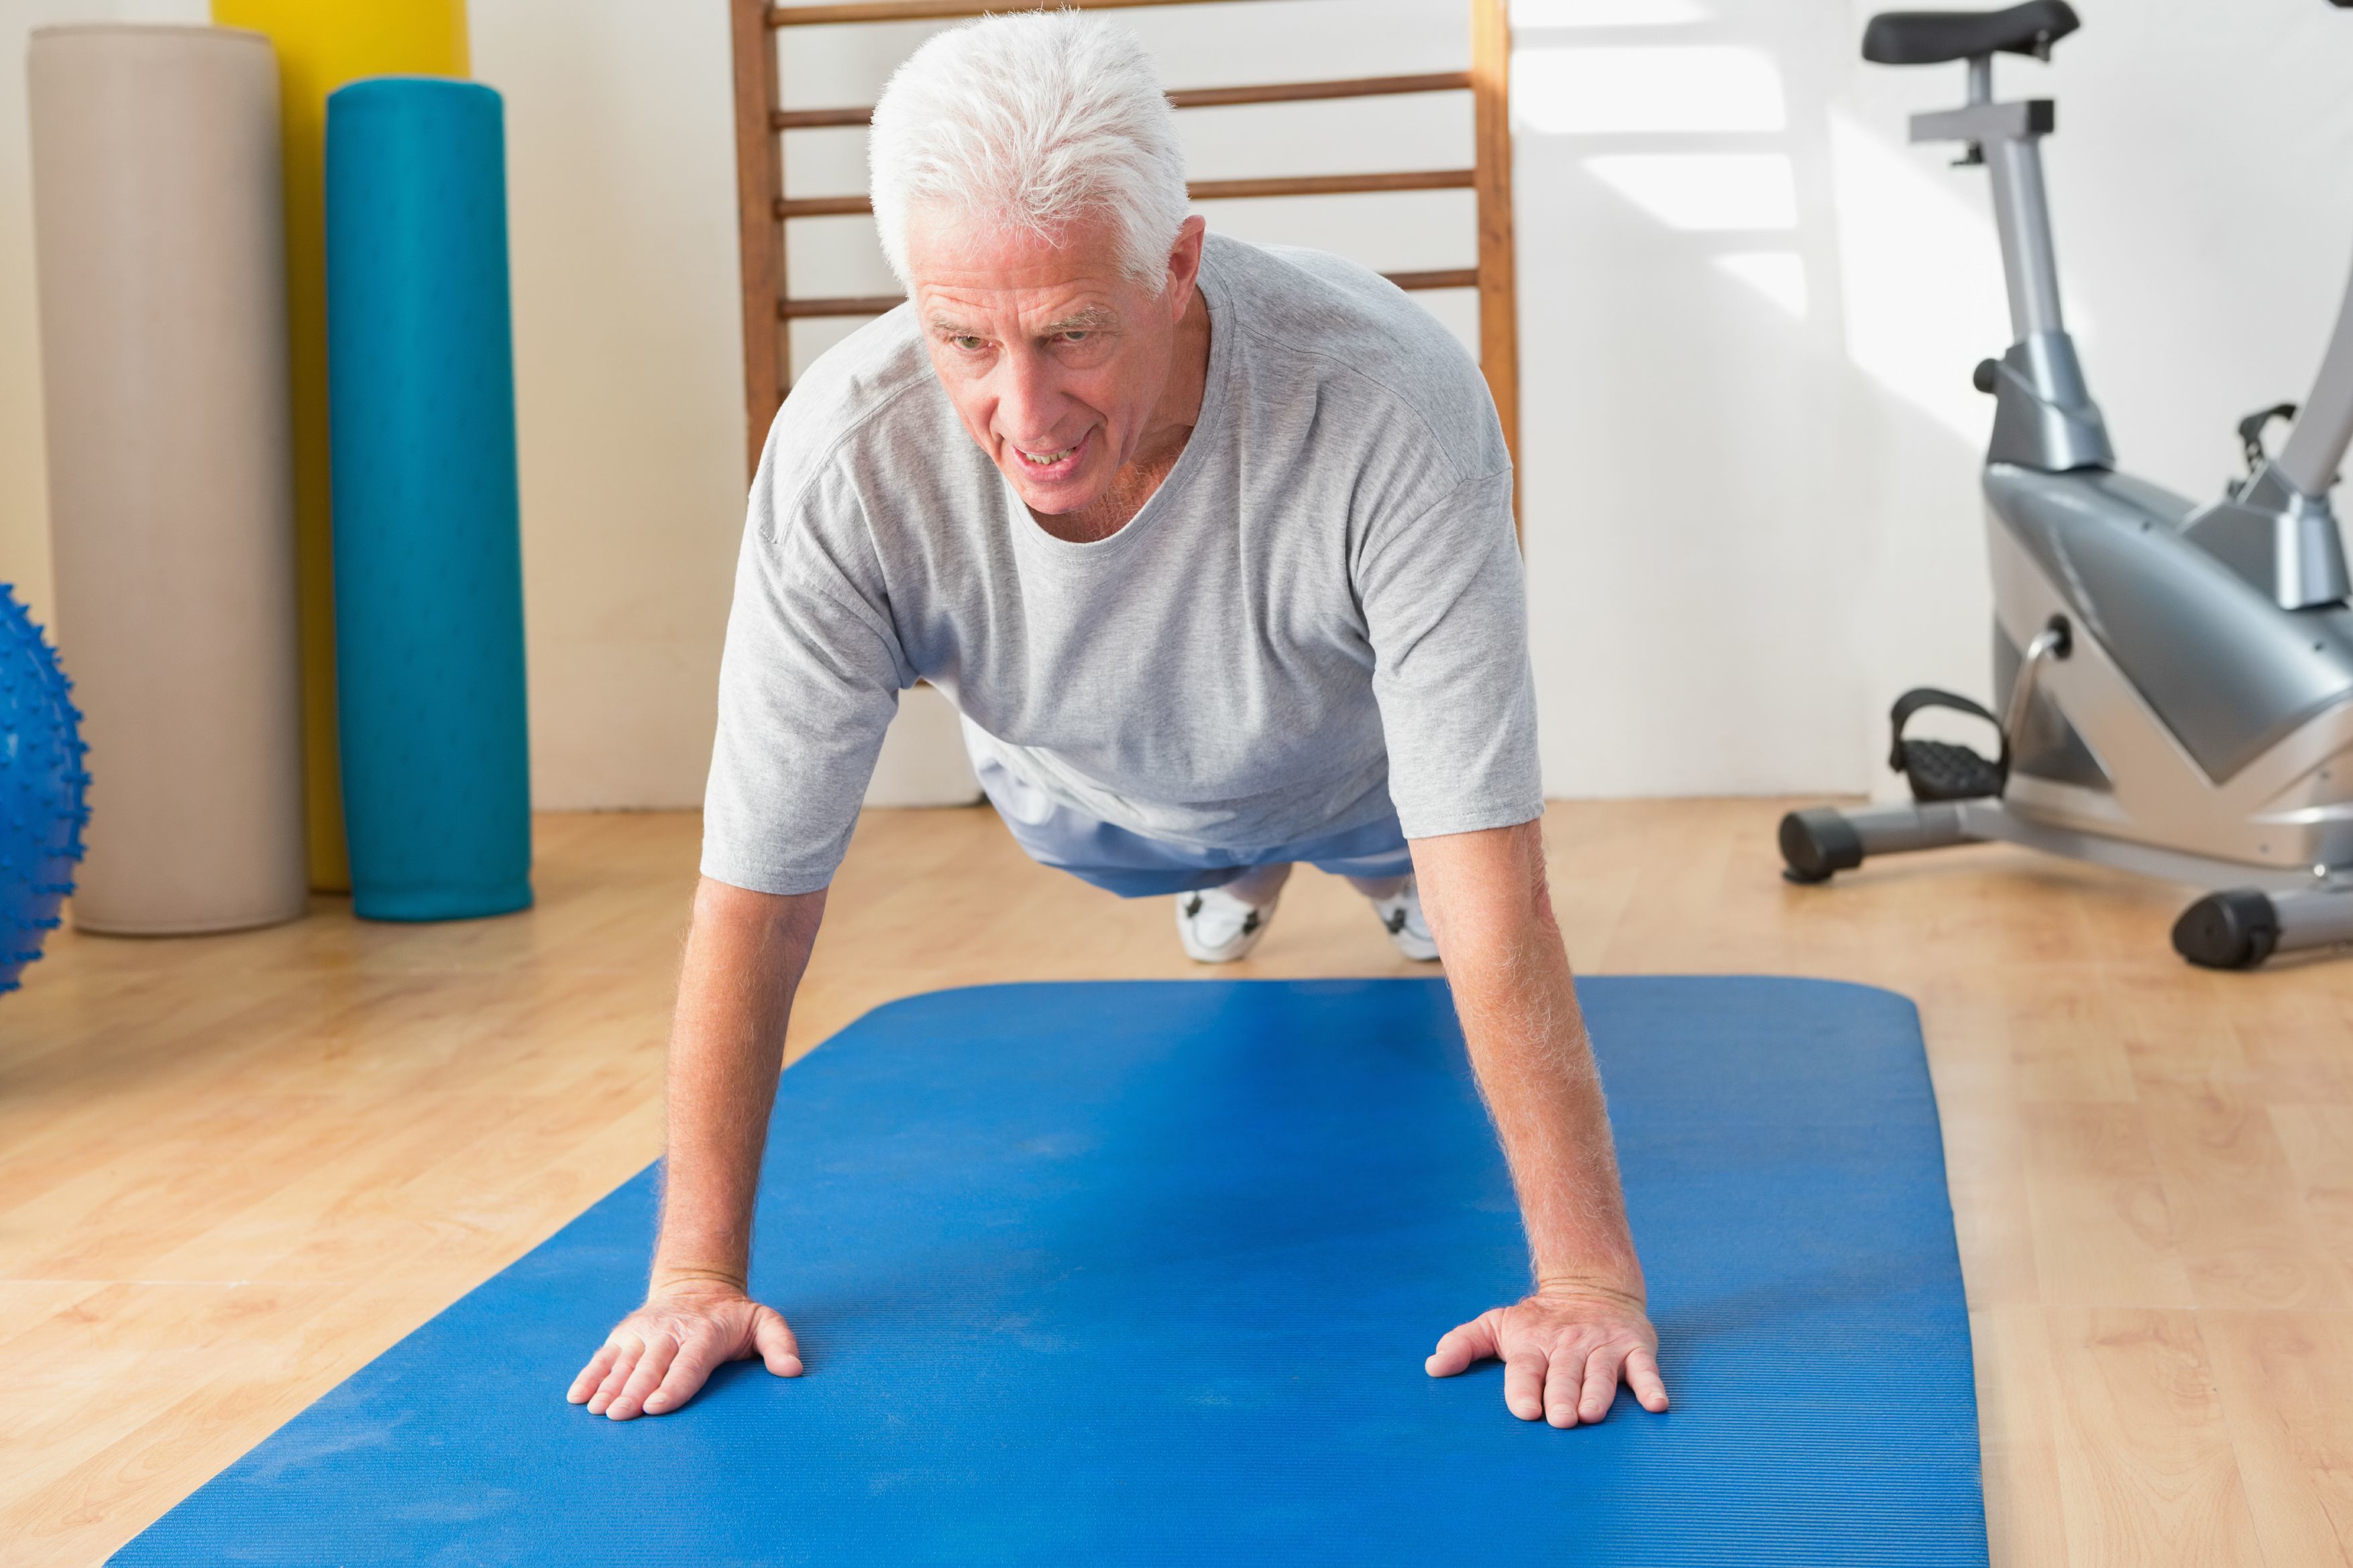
point(41, 780)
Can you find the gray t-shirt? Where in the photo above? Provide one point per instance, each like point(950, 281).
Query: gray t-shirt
point(1318, 614)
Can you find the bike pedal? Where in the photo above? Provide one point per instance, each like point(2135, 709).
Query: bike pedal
point(1939, 770)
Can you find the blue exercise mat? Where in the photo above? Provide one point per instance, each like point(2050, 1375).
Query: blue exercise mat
point(1145, 1273)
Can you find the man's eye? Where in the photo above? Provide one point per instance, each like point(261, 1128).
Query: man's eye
point(967, 342)
point(1076, 337)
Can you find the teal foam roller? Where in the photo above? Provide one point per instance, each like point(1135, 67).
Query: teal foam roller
point(428, 546)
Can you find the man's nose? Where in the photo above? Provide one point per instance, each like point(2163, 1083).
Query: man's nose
point(1030, 405)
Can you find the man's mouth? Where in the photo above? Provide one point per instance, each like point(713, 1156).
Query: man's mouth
point(1037, 459)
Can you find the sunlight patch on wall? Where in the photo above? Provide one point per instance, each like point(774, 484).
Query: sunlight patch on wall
point(1778, 275)
point(1610, 91)
point(1705, 191)
point(1528, 14)
point(1921, 274)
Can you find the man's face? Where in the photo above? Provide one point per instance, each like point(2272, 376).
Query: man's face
point(1054, 359)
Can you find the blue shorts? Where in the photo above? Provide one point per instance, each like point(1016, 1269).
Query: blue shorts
point(1134, 867)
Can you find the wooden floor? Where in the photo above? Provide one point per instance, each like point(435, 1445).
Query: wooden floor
point(233, 1169)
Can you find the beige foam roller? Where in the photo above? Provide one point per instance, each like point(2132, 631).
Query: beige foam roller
point(159, 236)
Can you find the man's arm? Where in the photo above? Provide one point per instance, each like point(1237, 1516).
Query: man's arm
point(1565, 1346)
point(744, 957)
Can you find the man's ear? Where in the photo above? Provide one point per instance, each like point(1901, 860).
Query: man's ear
point(1185, 261)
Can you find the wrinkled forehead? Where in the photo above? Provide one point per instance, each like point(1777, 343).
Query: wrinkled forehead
point(973, 269)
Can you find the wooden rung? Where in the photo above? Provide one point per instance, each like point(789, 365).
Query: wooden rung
point(1207, 190)
point(1303, 91)
point(822, 206)
point(1190, 98)
point(869, 305)
point(1457, 277)
point(819, 119)
point(1333, 185)
point(875, 304)
point(935, 10)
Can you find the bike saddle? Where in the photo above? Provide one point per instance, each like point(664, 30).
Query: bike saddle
point(1933, 37)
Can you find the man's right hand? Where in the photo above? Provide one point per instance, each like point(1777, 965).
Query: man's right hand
point(658, 1357)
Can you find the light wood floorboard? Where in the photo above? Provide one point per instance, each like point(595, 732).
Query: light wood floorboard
point(233, 1169)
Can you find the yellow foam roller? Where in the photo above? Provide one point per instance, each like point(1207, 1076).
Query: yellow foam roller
point(321, 45)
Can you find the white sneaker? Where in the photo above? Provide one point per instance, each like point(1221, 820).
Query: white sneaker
point(1217, 928)
point(1401, 917)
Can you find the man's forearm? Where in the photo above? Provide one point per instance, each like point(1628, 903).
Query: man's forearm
point(1513, 991)
point(1528, 1045)
point(745, 958)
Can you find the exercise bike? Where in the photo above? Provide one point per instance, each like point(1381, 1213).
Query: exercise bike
point(2176, 678)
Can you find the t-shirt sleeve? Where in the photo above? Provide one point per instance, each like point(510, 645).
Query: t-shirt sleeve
point(1445, 607)
point(809, 682)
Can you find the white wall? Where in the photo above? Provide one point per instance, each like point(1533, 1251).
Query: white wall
point(1749, 451)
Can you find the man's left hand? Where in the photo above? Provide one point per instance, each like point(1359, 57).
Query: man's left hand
point(1564, 1351)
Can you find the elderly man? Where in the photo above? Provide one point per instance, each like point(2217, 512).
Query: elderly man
point(1212, 546)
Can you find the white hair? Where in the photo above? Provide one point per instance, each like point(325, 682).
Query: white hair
point(1033, 120)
